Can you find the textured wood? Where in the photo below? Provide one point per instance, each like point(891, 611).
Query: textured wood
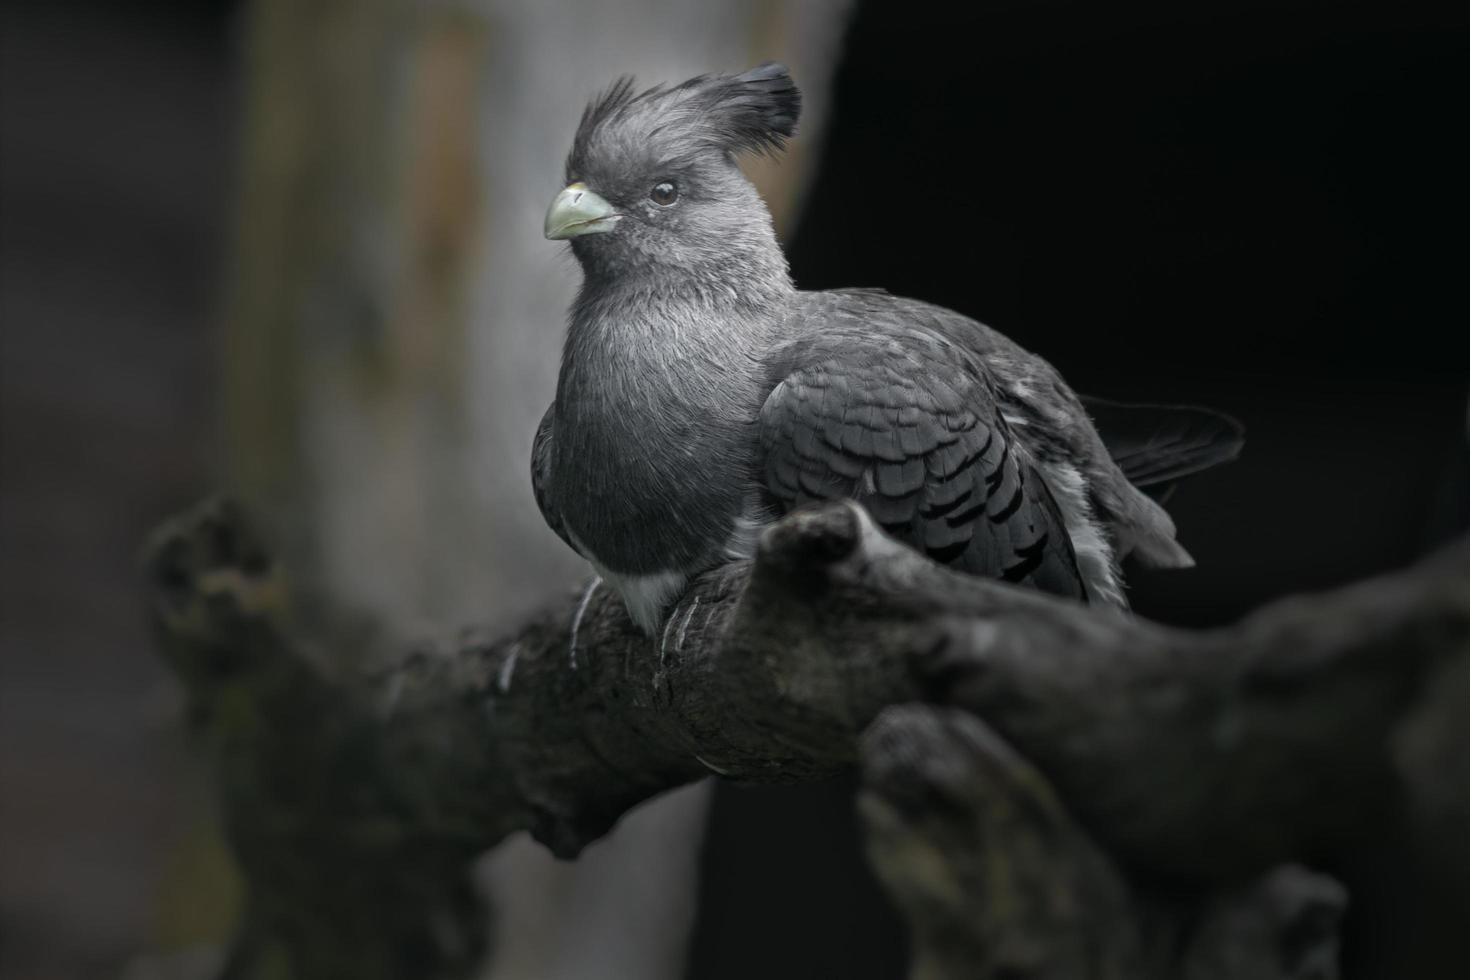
point(1066, 772)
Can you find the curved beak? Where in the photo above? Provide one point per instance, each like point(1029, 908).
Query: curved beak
point(578, 211)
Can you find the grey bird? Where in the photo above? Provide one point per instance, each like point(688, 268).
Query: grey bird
point(701, 395)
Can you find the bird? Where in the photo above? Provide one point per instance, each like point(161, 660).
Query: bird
point(702, 395)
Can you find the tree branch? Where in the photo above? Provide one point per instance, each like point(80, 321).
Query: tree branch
point(997, 880)
point(1203, 756)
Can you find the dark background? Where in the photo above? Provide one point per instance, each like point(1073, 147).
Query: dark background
point(1256, 206)
point(115, 181)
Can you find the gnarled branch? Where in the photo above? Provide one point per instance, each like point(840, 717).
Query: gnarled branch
point(1207, 758)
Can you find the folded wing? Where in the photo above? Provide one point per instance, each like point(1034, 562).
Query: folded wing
point(907, 424)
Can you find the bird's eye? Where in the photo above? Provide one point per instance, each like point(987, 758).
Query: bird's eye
point(664, 193)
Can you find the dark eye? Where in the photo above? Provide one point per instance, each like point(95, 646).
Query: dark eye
point(664, 193)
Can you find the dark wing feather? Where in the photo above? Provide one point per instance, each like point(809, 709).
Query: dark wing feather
point(907, 424)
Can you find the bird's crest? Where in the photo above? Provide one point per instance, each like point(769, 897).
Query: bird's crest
point(756, 110)
point(753, 112)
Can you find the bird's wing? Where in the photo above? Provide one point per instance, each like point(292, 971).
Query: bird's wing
point(906, 423)
point(541, 477)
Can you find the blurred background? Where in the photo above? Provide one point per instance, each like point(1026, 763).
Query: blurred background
point(293, 249)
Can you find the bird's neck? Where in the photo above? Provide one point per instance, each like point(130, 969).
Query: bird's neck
point(747, 279)
point(680, 338)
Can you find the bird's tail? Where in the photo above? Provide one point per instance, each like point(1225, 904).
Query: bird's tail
point(1158, 445)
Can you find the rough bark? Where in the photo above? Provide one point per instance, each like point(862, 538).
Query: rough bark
point(997, 880)
point(1061, 791)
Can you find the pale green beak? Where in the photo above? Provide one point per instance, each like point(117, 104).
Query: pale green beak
point(578, 211)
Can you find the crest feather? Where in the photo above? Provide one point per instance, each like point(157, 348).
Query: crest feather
point(758, 109)
point(753, 112)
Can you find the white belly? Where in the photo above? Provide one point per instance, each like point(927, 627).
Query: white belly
point(649, 597)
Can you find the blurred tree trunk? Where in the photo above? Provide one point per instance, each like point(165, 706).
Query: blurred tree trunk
point(393, 331)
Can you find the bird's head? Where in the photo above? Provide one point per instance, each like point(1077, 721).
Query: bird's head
point(652, 180)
